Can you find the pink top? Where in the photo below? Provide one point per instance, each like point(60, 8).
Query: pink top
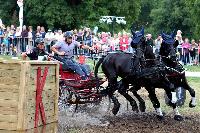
point(104, 37)
point(186, 45)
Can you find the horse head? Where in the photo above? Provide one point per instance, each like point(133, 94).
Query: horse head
point(168, 47)
point(138, 40)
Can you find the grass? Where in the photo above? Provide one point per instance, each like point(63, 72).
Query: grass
point(193, 82)
point(192, 68)
point(185, 110)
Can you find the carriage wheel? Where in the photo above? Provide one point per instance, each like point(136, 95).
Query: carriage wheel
point(65, 94)
point(102, 106)
point(181, 96)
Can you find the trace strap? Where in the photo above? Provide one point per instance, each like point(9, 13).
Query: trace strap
point(39, 107)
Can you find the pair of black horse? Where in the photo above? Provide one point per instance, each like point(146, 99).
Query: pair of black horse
point(144, 69)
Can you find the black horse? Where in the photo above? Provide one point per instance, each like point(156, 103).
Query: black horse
point(134, 70)
point(168, 57)
point(178, 79)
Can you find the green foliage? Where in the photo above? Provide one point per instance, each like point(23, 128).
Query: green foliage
point(154, 15)
point(69, 14)
point(8, 11)
point(178, 17)
point(194, 7)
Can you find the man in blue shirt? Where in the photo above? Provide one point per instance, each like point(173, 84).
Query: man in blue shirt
point(64, 50)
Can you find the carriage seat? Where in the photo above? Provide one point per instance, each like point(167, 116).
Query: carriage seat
point(65, 70)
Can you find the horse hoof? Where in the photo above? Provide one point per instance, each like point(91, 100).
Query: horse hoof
point(170, 104)
point(163, 113)
point(135, 108)
point(178, 118)
point(142, 107)
point(160, 117)
point(191, 105)
point(115, 109)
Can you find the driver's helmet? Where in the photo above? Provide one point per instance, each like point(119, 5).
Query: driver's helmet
point(68, 34)
point(39, 41)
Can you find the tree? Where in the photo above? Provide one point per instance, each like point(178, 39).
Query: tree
point(8, 9)
point(194, 7)
point(69, 14)
point(178, 17)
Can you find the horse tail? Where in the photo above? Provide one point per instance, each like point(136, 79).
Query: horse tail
point(96, 71)
point(97, 67)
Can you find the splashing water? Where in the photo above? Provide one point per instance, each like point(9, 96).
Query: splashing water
point(85, 115)
point(90, 114)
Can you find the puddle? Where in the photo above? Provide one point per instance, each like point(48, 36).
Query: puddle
point(85, 115)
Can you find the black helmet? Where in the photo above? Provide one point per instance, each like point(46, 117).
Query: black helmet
point(68, 34)
point(39, 40)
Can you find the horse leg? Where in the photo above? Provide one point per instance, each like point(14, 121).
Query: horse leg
point(142, 105)
point(186, 86)
point(177, 115)
point(112, 87)
point(155, 102)
point(123, 91)
point(116, 104)
point(171, 93)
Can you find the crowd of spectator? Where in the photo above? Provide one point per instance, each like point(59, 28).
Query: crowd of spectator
point(13, 40)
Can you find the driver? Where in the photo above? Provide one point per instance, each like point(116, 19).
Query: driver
point(64, 50)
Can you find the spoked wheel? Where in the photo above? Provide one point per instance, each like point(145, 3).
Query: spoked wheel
point(65, 95)
point(100, 106)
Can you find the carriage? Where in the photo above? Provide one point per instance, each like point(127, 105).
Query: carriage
point(74, 90)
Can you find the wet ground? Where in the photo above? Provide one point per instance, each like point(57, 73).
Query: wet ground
point(146, 123)
point(99, 119)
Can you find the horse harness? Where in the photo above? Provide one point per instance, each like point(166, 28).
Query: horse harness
point(139, 69)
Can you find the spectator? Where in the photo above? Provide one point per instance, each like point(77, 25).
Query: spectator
point(18, 32)
point(30, 37)
point(158, 42)
point(199, 52)
point(179, 36)
point(116, 42)
point(186, 46)
point(42, 32)
point(24, 40)
point(49, 37)
point(95, 47)
point(10, 41)
point(37, 32)
point(75, 35)
point(125, 41)
point(59, 35)
point(80, 36)
point(17, 40)
point(193, 48)
point(180, 41)
point(1, 35)
point(87, 41)
point(12, 27)
point(149, 40)
point(88, 38)
point(5, 43)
